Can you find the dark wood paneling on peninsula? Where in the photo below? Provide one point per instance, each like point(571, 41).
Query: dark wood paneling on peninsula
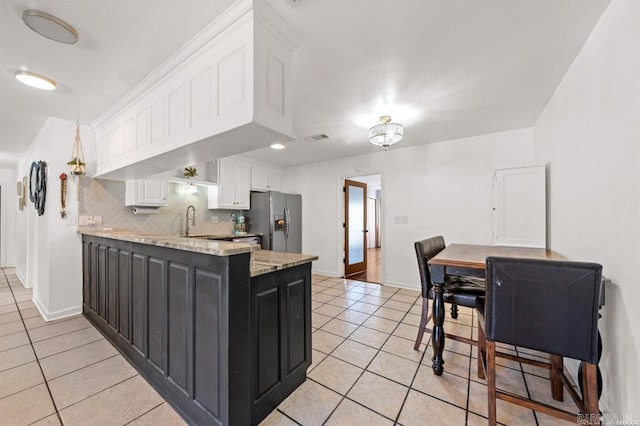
point(221, 347)
point(281, 335)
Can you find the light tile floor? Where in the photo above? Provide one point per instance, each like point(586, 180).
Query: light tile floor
point(65, 372)
point(364, 370)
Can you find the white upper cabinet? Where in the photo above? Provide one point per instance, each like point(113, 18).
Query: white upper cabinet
point(520, 207)
point(149, 192)
point(233, 189)
point(226, 92)
point(265, 179)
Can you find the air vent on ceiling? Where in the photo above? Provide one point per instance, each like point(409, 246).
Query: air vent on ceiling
point(317, 137)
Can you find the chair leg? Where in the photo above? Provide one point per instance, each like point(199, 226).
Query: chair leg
point(557, 387)
point(423, 323)
point(454, 311)
point(590, 392)
point(482, 351)
point(491, 382)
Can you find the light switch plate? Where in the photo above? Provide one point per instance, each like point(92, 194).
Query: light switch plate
point(400, 219)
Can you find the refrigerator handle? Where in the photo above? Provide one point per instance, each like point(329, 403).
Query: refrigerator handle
point(287, 218)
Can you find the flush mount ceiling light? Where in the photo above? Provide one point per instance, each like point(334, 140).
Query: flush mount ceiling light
point(35, 80)
point(386, 133)
point(278, 146)
point(50, 26)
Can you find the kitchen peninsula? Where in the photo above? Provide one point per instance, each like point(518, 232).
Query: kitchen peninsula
point(222, 330)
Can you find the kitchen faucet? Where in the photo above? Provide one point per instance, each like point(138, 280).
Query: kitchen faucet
point(193, 220)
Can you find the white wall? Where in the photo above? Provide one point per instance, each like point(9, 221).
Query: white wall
point(590, 135)
point(442, 188)
point(48, 248)
point(8, 212)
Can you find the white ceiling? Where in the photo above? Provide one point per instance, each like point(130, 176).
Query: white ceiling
point(444, 69)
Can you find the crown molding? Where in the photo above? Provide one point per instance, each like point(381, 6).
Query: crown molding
point(276, 26)
point(230, 20)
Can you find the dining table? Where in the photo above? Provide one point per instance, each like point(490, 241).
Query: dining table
point(467, 260)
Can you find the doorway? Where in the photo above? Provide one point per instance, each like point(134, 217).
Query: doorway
point(362, 226)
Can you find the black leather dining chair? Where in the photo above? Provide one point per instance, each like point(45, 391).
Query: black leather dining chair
point(459, 291)
point(548, 306)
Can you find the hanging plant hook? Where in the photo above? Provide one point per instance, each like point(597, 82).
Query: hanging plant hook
point(77, 164)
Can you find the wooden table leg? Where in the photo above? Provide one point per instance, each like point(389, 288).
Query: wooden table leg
point(438, 330)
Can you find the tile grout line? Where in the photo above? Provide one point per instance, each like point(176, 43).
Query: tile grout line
point(70, 349)
point(404, 401)
point(410, 387)
point(78, 369)
point(63, 334)
point(343, 397)
point(104, 390)
point(526, 386)
point(145, 413)
point(46, 383)
point(365, 369)
point(466, 414)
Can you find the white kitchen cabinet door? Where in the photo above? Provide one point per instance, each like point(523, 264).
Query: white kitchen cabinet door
point(213, 197)
point(151, 191)
point(265, 179)
point(259, 178)
point(520, 207)
point(275, 180)
point(234, 180)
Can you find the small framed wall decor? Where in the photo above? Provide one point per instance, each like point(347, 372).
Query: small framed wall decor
point(20, 195)
point(21, 187)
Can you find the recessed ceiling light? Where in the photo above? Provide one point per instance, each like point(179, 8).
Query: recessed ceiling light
point(50, 26)
point(278, 146)
point(35, 80)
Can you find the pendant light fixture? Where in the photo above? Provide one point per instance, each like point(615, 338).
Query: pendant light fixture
point(386, 133)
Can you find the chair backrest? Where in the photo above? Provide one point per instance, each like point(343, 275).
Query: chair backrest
point(550, 306)
point(425, 250)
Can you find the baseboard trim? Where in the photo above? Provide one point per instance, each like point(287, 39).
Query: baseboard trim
point(22, 279)
point(51, 316)
point(402, 285)
point(327, 273)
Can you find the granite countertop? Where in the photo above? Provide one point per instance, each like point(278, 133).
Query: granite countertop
point(265, 261)
point(262, 261)
point(216, 248)
point(224, 236)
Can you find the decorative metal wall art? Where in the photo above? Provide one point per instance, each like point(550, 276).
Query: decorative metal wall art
point(38, 185)
point(63, 195)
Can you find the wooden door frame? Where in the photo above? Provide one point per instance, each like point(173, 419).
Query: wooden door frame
point(339, 218)
point(348, 269)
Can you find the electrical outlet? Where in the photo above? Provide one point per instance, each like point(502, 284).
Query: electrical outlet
point(97, 220)
point(214, 219)
point(86, 221)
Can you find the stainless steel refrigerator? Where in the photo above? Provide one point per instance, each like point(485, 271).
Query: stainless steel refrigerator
point(278, 217)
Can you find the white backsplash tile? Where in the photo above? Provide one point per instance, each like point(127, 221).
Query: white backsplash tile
point(106, 198)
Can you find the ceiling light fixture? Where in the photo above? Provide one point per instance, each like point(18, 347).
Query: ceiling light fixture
point(50, 26)
point(386, 133)
point(278, 146)
point(35, 80)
